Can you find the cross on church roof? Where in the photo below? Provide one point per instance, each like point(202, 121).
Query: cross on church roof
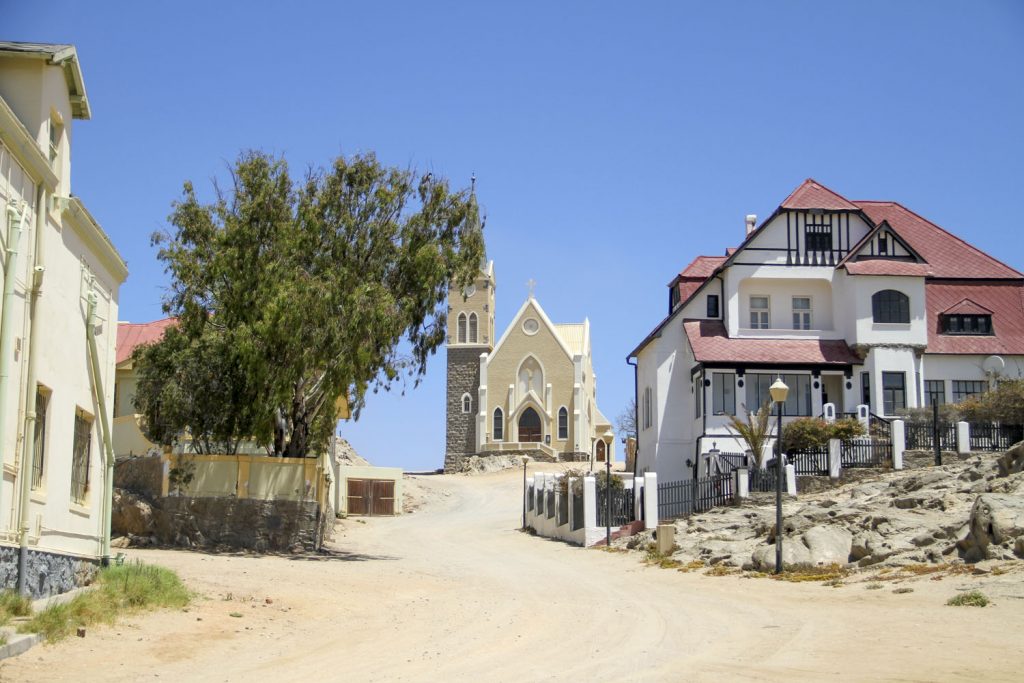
point(531, 284)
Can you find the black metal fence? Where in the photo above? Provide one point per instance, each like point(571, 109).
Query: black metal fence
point(866, 453)
point(763, 480)
point(577, 511)
point(731, 461)
point(682, 498)
point(621, 506)
point(920, 436)
point(992, 436)
point(810, 462)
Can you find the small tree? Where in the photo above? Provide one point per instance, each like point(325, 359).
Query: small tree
point(625, 423)
point(755, 431)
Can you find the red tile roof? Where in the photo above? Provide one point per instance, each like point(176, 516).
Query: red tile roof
point(813, 195)
point(1004, 299)
point(702, 267)
point(710, 345)
point(887, 267)
point(131, 335)
point(948, 255)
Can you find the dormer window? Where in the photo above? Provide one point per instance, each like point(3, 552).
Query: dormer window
point(673, 297)
point(818, 234)
point(957, 323)
point(883, 245)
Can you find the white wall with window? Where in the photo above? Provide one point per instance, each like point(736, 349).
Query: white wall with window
point(797, 307)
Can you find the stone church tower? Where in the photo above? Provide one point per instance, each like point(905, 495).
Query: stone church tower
point(470, 336)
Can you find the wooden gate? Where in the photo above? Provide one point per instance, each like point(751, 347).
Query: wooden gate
point(371, 497)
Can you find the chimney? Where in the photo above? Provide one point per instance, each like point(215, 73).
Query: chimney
point(751, 223)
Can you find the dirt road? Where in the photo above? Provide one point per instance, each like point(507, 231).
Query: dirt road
point(455, 593)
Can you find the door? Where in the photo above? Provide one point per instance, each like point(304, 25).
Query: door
point(832, 391)
point(371, 497)
point(600, 451)
point(529, 426)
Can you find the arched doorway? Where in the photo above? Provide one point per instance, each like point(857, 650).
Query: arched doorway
point(529, 426)
point(600, 451)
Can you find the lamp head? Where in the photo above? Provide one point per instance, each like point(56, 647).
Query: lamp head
point(778, 391)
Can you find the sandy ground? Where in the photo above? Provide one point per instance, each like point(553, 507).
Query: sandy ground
point(455, 593)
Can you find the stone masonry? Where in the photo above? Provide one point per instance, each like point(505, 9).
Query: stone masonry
point(48, 573)
point(463, 378)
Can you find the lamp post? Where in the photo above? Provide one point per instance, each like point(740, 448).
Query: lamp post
point(778, 391)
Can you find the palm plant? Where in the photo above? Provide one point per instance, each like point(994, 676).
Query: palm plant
point(756, 430)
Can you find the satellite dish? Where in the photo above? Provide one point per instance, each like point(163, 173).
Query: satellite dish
point(993, 365)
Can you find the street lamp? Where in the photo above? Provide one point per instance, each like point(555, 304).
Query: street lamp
point(778, 391)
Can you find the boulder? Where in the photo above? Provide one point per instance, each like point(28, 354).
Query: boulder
point(130, 514)
point(794, 553)
point(1012, 461)
point(996, 518)
point(828, 544)
point(864, 544)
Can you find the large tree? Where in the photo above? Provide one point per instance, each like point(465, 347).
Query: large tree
point(293, 295)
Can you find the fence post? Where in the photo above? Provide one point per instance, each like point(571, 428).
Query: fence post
point(538, 494)
point(791, 480)
point(589, 502)
point(864, 417)
point(899, 443)
point(835, 458)
point(650, 500)
point(742, 483)
point(829, 412)
point(963, 438)
point(638, 490)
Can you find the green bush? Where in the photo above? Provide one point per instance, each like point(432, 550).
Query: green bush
point(814, 432)
point(969, 599)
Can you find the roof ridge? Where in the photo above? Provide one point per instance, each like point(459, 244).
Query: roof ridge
point(941, 229)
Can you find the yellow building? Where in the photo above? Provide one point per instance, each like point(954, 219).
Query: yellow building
point(533, 392)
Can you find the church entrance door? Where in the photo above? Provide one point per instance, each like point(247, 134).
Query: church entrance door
point(529, 426)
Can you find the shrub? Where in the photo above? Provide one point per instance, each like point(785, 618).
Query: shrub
point(756, 430)
point(969, 599)
point(603, 478)
point(574, 475)
point(814, 432)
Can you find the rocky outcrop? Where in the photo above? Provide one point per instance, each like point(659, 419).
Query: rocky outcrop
point(130, 515)
point(996, 527)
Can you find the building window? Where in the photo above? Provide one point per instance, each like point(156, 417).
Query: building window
point(55, 132)
point(890, 306)
point(966, 324)
point(498, 430)
point(467, 403)
point(818, 236)
point(966, 388)
point(759, 313)
point(81, 447)
point(647, 408)
point(673, 297)
point(563, 423)
point(801, 312)
point(798, 401)
point(883, 245)
point(39, 448)
point(723, 393)
point(894, 392)
point(865, 389)
point(472, 328)
point(461, 338)
point(712, 305)
point(934, 392)
point(698, 393)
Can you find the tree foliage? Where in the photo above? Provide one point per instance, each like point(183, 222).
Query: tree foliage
point(755, 430)
point(292, 294)
point(625, 423)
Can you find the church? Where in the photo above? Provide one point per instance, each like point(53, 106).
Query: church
point(532, 392)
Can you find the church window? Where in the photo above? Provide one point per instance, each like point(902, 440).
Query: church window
point(462, 328)
point(498, 431)
point(531, 326)
point(467, 403)
point(531, 378)
point(472, 328)
point(563, 423)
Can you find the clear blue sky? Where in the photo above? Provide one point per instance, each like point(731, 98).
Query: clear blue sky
point(613, 142)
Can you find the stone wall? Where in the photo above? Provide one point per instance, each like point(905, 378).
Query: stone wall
point(463, 378)
point(260, 525)
point(142, 475)
point(48, 573)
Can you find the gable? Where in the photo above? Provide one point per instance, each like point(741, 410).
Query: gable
point(519, 337)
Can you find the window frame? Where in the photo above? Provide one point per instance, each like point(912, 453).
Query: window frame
point(807, 314)
point(498, 424)
point(890, 310)
point(723, 393)
point(890, 393)
point(43, 396)
point(930, 392)
point(563, 423)
point(474, 326)
point(713, 309)
point(972, 324)
point(960, 384)
point(461, 326)
point(764, 314)
point(467, 403)
point(81, 457)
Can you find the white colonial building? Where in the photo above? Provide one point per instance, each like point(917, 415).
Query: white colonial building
point(850, 302)
point(61, 276)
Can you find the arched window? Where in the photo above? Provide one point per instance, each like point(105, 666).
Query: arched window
point(462, 328)
point(498, 431)
point(530, 377)
point(467, 403)
point(563, 423)
point(472, 328)
point(890, 306)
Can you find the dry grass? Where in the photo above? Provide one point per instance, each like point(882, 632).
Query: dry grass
point(969, 599)
point(13, 604)
point(722, 570)
point(118, 590)
point(802, 574)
